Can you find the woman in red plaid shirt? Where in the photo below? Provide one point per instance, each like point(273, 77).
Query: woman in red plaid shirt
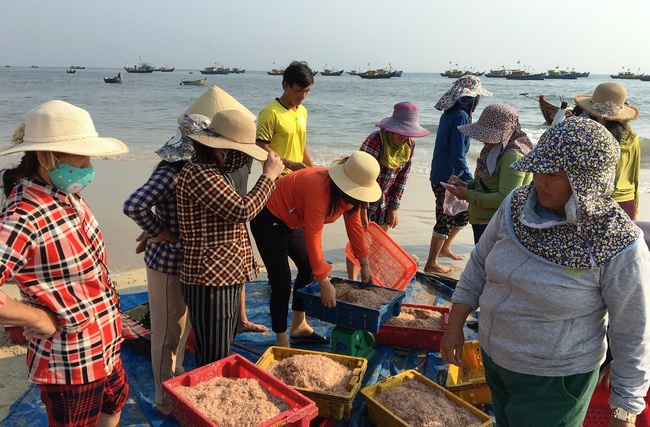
point(52, 248)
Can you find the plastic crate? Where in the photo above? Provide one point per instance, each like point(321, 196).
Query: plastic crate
point(391, 266)
point(468, 380)
point(350, 315)
point(444, 283)
point(302, 411)
point(330, 405)
point(15, 334)
point(599, 412)
point(410, 337)
point(382, 417)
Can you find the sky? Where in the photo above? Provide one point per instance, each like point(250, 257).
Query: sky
point(600, 36)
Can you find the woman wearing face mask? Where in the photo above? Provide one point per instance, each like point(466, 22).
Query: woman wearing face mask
point(53, 250)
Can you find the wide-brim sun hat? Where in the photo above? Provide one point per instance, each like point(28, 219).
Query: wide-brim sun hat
point(495, 125)
point(468, 85)
point(214, 100)
point(62, 127)
point(404, 121)
point(357, 176)
point(232, 130)
point(609, 102)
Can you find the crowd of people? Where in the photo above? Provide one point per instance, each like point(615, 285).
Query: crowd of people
point(559, 270)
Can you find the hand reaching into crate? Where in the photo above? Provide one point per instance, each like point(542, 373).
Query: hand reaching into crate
point(327, 293)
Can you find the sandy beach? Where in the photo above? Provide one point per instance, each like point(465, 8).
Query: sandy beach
point(116, 180)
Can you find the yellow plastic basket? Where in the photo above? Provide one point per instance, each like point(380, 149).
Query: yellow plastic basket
point(330, 405)
point(468, 380)
point(382, 417)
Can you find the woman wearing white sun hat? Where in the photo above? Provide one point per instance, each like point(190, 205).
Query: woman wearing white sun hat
point(52, 248)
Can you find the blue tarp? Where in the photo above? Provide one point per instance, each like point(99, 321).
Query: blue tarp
point(28, 409)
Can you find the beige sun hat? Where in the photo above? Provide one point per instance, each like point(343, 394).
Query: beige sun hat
point(232, 130)
point(608, 102)
point(357, 176)
point(214, 100)
point(59, 126)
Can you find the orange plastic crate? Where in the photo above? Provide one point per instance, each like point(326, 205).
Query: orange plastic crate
point(391, 266)
point(468, 381)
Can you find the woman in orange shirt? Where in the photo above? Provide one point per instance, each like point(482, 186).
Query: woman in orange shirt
point(291, 226)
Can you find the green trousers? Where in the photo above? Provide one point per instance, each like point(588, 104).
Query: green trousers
point(522, 400)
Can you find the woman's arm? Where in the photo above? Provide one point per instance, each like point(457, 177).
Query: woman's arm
point(139, 205)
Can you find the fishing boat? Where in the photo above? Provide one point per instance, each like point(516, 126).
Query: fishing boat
point(645, 78)
point(524, 75)
point(377, 74)
point(34, 66)
point(626, 75)
point(561, 74)
point(276, 72)
point(331, 72)
point(354, 72)
point(77, 67)
point(237, 70)
point(500, 73)
point(548, 110)
point(116, 79)
point(70, 71)
point(141, 68)
point(452, 74)
point(166, 69)
point(216, 70)
point(199, 82)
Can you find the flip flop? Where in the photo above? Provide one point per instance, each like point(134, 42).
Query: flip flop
point(314, 338)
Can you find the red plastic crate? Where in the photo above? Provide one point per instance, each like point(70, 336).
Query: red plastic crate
point(599, 412)
point(15, 334)
point(409, 337)
point(391, 266)
point(302, 411)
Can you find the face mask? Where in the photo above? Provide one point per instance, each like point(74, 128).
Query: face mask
point(71, 179)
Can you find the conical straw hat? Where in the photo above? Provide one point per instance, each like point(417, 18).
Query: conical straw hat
point(214, 100)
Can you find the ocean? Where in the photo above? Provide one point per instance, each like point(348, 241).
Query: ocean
point(342, 110)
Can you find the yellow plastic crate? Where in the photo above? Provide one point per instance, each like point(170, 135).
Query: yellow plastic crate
point(330, 405)
point(468, 380)
point(382, 417)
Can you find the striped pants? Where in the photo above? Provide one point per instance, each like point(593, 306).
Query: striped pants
point(214, 314)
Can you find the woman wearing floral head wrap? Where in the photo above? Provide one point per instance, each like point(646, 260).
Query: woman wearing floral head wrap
point(393, 146)
point(504, 142)
point(608, 107)
point(458, 104)
point(558, 264)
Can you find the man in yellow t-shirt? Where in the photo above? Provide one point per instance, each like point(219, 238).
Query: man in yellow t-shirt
point(282, 125)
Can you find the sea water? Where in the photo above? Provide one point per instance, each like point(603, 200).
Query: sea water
point(343, 110)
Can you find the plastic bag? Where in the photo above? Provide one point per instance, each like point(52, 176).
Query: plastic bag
point(452, 205)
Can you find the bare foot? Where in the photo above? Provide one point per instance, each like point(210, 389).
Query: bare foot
point(450, 254)
point(248, 326)
point(440, 269)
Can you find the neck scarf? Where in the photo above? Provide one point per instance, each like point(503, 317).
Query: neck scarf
point(393, 155)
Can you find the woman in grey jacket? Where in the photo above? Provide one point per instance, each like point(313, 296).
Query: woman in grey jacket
point(559, 262)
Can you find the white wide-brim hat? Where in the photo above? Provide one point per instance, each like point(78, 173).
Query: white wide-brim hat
point(62, 127)
point(232, 130)
point(357, 176)
point(214, 100)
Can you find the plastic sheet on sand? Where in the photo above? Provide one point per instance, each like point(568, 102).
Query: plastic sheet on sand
point(29, 411)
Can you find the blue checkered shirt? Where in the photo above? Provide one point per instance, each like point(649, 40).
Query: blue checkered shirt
point(153, 206)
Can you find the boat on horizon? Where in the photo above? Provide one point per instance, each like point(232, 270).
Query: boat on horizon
point(34, 66)
point(70, 71)
point(166, 69)
point(561, 74)
point(198, 82)
point(524, 75)
point(77, 67)
point(331, 72)
point(276, 72)
point(627, 75)
point(236, 70)
point(141, 68)
point(215, 70)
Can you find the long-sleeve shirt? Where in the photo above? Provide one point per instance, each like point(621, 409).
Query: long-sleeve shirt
point(542, 319)
point(212, 217)
point(451, 147)
point(152, 207)
point(504, 179)
point(301, 199)
point(627, 169)
point(391, 180)
point(51, 245)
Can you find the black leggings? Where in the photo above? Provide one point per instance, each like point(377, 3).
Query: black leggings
point(277, 243)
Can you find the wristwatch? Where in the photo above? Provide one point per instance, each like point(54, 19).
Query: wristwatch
point(622, 414)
